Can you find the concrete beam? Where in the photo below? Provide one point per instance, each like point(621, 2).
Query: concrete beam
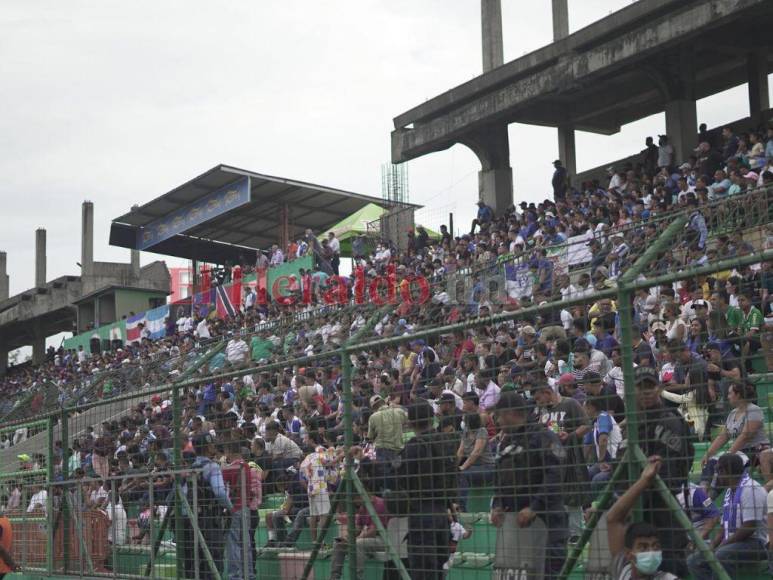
point(757, 75)
point(491, 34)
point(5, 281)
point(40, 257)
point(503, 101)
point(87, 238)
point(495, 179)
point(560, 19)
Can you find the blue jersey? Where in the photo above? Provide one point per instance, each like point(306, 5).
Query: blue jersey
point(701, 508)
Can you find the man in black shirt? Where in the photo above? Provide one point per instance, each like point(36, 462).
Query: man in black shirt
point(663, 432)
point(428, 474)
point(528, 479)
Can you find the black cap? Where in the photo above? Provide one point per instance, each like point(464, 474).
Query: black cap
point(447, 397)
point(590, 377)
point(420, 411)
point(512, 401)
point(642, 374)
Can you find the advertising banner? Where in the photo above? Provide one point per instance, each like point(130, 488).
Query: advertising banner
point(212, 205)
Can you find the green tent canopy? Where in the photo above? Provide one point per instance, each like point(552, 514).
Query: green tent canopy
point(357, 224)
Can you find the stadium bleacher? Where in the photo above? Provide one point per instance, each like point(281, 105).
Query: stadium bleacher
point(556, 265)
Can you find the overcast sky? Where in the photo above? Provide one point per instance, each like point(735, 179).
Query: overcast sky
point(119, 102)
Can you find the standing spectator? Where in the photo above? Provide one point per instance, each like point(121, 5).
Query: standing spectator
point(319, 470)
point(7, 563)
point(430, 481)
point(528, 480)
point(476, 462)
point(277, 257)
point(237, 475)
point(237, 351)
point(663, 432)
point(261, 261)
point(650, 156)
point(385, 431)
point(729, 143)
point(665, 153)
point(335, 250)
point(560, 181)
point(104, 447)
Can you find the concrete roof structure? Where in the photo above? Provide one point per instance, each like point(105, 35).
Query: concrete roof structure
point(649, 57)
point(256, 224)
point(601, 77)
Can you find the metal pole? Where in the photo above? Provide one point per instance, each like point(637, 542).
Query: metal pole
point(113, 526)
point(64, 434)
point(197, 532)
point(631, 411)
point(246, 546)
point(346, 367)
point(196, 560)
point(50, 499)
point(157, 541)
point(152, 503)
point(178, 516)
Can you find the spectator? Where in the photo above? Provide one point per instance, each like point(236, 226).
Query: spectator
point(635, 548)
point(745, 535)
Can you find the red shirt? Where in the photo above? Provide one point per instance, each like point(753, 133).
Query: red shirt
point(233, 479)
point(6, 538)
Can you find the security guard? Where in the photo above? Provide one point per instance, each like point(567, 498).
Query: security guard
point(663, 432)
point(529, 464)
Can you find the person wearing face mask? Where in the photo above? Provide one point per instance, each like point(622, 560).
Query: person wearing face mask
point(635, 548)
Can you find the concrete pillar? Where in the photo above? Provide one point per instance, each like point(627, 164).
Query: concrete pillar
point(560, 19)
point(135, 254)
point(87, 238)
point(495, 179)
point(5, 281)
point(495, 187)
point(491, 28)
point(38, 350)
point(135, 262)
point(3, 362)
point(40, 258)
point(682, 127)
point(567, 152)
point(757, 75)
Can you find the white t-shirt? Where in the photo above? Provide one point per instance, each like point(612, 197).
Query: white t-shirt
point(38, 499)
point(202, 329)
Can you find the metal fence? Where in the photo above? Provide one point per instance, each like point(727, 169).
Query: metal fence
point(563, 439)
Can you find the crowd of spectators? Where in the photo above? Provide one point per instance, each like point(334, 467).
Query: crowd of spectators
point(555, 375)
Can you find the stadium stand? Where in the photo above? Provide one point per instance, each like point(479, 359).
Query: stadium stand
point(487, 419)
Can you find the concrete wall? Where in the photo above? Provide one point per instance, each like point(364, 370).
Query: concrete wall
point(136, 301)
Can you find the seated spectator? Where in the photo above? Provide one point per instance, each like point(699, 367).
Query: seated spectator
point(476, 462)
point(744, 521)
